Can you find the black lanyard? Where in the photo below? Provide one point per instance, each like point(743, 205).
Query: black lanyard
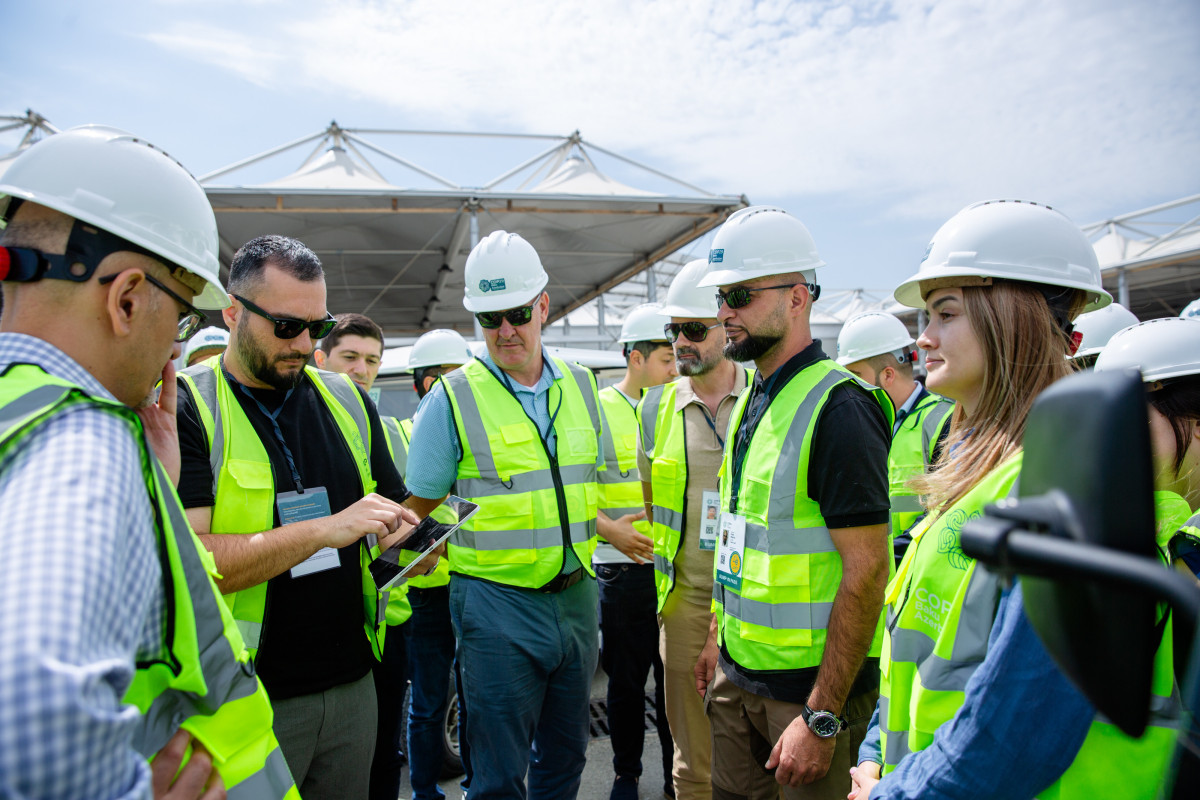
point(274, 417)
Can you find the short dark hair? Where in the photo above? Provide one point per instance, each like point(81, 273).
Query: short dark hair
point(883, 360)
point(283, 252)
point(421, 373)
point(351, 324)
point(1178, 399)
point(645, 347)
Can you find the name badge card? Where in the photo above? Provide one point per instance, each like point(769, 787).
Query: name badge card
point(731, 550)
point(297, 507)
point(709, 520)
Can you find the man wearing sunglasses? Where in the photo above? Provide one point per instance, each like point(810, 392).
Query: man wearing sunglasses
point(803, 556)
point(114, 635)
point(683, 429)
point(624, 566)
point(288, 480)
point(519, 431)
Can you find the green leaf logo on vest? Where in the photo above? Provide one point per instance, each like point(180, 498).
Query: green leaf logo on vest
point(496, 285)
point(949, 542)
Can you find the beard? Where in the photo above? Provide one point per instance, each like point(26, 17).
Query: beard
point(750, 348)
point(701, 366)
point(265, 367)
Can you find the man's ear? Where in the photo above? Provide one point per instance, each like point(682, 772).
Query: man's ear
point(230, 314)
point(319, 356)
point(127, 300)
point(429, 381)
point(543, 307)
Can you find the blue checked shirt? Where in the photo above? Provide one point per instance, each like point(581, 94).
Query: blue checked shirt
point(81, 596)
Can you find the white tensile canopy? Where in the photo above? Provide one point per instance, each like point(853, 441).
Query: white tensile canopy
point(397, 254)
point(1150, 259)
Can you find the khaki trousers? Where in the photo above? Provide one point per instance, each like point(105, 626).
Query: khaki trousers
point(683, 629)
point(745, 727)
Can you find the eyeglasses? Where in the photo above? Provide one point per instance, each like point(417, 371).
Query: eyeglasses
point(290, 328)
point(515, 316)
point(190, 319)
point(692, 331)
point(740, 296)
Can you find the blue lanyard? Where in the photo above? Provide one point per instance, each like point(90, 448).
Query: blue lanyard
point(508, 384)
point(711, 424)
point(274, 417)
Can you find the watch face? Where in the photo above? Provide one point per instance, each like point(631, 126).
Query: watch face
point(824, 724)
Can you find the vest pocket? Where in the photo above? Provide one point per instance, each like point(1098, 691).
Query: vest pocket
point(256, 484)
point(582, 445)
point(664, 472)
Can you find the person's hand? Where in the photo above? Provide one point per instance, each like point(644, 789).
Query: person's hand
point(706, 664)
point(863, 779)
point(800, 756)
point(626, 538)
point(372, 514)
point(158, 420)
point(197, 781)
point(429, 563)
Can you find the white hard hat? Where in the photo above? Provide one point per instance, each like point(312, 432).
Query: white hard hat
point(643, 323)
point(206, 338)
point(503, 272)
point(1098, 327)
point(685, 296)
point(1191, 310)
point(871, 334)
point(439, 347)
point(1159, 348)
point(126, 186)
point(759, 241)
point(1009, 239)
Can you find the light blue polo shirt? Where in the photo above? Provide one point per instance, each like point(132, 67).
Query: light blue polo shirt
point(435, 445)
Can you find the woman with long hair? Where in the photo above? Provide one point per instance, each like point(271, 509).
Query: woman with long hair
point(971, 705)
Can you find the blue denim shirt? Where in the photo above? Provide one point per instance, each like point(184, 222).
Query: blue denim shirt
point(1020, 710)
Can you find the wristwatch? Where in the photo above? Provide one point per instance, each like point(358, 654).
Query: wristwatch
point(824, 724)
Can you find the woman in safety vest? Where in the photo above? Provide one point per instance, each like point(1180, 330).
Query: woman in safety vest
point(971, 705)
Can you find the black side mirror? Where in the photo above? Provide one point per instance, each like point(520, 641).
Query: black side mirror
point(1086, 480)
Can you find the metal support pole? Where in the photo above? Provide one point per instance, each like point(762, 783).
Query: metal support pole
point(1123, 287)
point(651, 286)
point(600, 316)
point(474, 241)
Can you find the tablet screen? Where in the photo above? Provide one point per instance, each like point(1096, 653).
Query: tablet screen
point(395, 563)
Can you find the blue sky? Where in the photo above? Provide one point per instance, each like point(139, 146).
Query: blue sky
point(873, 122)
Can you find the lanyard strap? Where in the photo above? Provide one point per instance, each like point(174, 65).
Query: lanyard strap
point(757, 409)
point(274, 417)
point(711, 424)
point(553, 416)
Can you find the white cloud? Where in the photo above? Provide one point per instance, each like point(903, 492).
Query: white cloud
point(922, 106)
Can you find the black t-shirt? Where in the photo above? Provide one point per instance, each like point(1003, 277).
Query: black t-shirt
point(847, 476)
point(312, 637)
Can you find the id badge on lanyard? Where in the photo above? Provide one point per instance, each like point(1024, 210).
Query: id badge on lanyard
point(731, 546)
point(710, 520)
point(297, 507)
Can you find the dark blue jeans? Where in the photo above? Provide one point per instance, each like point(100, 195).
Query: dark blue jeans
point(390, 684)
point(430, 641)
point(527, 661)
point(629, 650)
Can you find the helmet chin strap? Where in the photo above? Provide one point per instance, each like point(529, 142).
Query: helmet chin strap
point(87, 246)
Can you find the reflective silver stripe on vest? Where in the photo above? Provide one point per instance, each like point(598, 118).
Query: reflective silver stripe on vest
point(583, 378)
point(40, 399)
point(896, 741)
point(779, 616)
point(929, 427)
point(617, 513)
point(227, 679)
point(534, 481)
point(651, 401)
point(477, 439)
point(669, 517)
point(346, 392)
point(665, 566)
point(611, 475)
point(902, 503)
point(391, 428)
point(273, 780)
point(520, 540)
point(783, 541)
point(970, 640)
point(205, 380)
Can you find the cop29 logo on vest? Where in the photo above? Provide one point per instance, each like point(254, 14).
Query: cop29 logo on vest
point(930, 608)
point(496, 285)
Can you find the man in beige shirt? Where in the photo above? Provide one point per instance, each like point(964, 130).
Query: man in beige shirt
point(683, 435)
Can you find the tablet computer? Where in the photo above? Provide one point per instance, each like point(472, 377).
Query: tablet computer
point(395, 563)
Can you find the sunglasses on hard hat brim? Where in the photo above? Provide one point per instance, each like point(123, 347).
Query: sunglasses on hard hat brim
point(741, 296)
point(692, 331)
point(289, 327)
point(515, 316)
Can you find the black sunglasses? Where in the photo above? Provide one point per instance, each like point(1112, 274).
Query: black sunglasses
point(515, 316)
point(692, 331)
point(190, 319)
point(740, 296)
point(289, 328)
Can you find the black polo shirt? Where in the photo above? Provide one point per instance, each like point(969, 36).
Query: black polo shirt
point(312, 637)
point(847, 477)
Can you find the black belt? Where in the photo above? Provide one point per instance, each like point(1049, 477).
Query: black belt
point(562, 581)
